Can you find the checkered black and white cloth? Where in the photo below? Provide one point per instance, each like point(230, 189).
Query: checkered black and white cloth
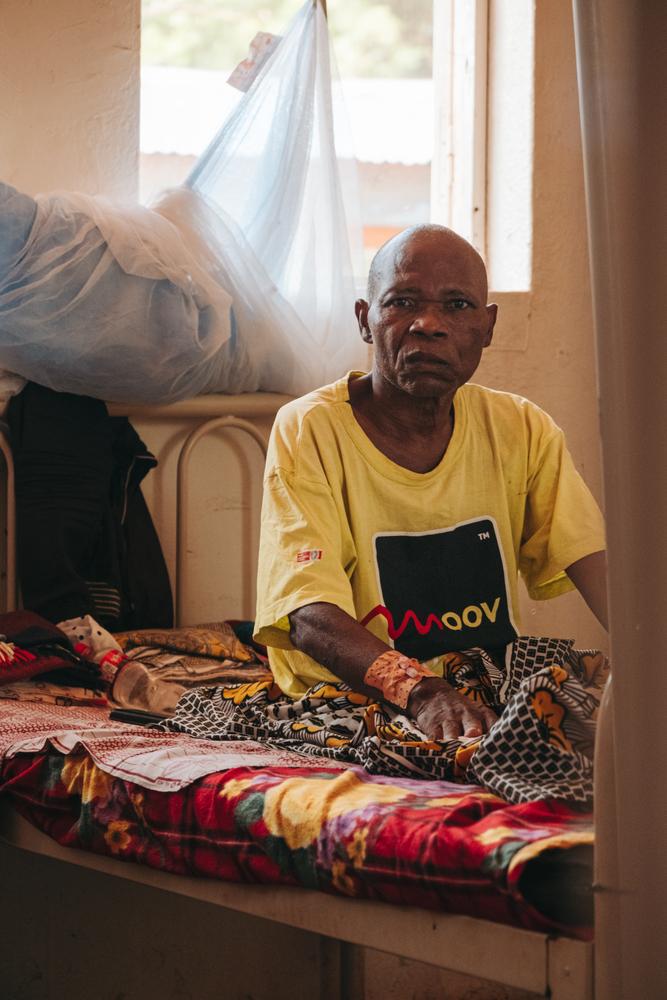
point(546, 694)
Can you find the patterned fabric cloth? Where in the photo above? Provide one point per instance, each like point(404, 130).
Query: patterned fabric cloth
point(151, 759)
point(52, 694)
point(193, 671)
point(217, 640)
point(547, 694)
point(30, 645)
point(454, 848)
point(161, 663)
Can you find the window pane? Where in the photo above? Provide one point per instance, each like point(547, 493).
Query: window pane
point(384, 56)
point(188, 50)
point(509, 221)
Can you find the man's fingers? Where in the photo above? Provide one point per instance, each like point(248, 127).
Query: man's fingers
point(453, 718)
point(489, 718)
point(450, 729)
point(430, 727)
point(472, 726)
point(479, 722)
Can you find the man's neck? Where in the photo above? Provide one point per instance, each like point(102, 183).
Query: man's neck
point(412, 431)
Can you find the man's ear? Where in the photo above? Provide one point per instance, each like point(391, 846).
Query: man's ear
point(492, 316)
point(361, 312)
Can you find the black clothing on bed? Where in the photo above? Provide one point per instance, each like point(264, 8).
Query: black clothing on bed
point(86, 543)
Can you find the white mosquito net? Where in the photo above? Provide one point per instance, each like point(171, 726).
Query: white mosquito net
point(242, 279)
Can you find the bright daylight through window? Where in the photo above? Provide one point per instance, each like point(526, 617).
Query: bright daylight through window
point(383, 51)
point(438, 96)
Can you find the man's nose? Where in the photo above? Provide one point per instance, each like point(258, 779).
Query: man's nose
point(430, 320)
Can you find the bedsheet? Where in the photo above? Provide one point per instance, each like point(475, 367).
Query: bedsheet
point(151, 759)
point(433, 844)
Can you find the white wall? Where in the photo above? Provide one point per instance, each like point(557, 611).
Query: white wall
point(69, 95)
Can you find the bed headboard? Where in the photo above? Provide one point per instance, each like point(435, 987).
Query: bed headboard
point(204, 497)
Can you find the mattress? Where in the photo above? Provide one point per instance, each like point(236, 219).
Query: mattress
point(432, 844)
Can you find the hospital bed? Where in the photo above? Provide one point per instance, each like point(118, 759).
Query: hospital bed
point(543, 964)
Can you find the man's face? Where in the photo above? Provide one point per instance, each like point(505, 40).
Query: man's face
point(428, 320)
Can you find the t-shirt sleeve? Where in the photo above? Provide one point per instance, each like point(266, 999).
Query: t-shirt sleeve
point(304, 553)
point(563, 522)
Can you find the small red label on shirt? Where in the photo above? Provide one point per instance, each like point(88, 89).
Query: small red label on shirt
point(308, 555)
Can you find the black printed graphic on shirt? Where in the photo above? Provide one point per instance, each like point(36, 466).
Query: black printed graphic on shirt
point(443, 590)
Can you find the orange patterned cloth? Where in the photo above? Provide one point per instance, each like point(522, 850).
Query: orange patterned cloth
point(395, 675)
point(216, 640)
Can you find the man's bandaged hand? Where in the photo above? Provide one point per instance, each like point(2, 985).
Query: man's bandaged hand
point(395, 675)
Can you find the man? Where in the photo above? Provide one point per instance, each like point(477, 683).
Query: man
point(401, 505)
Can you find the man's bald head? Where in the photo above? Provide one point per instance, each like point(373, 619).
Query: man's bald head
point(439, 240)
point(427, 314)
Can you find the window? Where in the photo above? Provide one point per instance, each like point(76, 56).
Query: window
point(482, 173)
point(384, 52)
point(438, 95)
point(384, 55)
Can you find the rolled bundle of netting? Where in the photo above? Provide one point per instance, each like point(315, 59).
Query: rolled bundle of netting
point(104, 300)
point(241, 280)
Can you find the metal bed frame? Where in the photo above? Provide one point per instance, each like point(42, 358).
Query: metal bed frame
point(550, 966)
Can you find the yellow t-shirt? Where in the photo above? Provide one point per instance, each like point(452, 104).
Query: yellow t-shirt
point(427, 561)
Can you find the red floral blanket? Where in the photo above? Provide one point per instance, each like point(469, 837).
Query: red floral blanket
point(432, 844)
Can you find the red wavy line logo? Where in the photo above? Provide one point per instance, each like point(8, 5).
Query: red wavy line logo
point(408, 617)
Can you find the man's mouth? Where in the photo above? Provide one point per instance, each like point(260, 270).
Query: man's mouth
point(425, 360)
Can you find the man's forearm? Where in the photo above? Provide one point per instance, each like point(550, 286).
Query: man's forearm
point(589, 575)
point(333, 638)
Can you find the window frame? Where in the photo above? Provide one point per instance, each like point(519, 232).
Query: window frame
point(462, 157)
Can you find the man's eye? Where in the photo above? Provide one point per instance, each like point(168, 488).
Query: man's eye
point(459, 304)
point(402, 302)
